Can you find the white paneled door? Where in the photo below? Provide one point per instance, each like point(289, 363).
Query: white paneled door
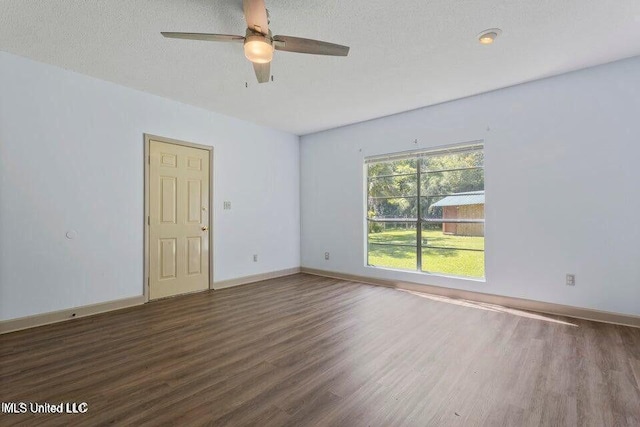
point(178, 219)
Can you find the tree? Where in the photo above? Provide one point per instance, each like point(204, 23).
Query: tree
point(392, 186)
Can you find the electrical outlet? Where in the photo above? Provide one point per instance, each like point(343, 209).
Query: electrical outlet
point(571, 279)
point(226, 205)
point(326, 255)
point(255, 258)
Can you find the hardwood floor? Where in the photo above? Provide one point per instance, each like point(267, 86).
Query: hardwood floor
point(306, 350)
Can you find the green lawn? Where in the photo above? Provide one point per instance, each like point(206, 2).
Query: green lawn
point(451, 261)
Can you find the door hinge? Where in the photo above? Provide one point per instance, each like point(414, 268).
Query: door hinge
point(149, 159)
point(148, 220)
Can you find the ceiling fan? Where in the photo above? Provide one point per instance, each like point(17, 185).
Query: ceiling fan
point(259, 43)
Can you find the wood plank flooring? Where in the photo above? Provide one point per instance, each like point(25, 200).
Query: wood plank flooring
point(305, 350)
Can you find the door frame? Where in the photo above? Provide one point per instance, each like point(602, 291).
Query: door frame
point(147, 143)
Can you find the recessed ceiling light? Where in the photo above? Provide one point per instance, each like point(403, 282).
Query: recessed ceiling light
point(489, 36)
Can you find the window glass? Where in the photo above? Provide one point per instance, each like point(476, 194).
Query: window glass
point(442, 201)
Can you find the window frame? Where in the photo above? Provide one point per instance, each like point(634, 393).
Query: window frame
point(419, 221)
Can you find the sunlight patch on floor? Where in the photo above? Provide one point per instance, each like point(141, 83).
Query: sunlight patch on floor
point(490, 307)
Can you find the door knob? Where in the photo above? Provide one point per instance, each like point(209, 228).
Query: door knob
point(205, 228)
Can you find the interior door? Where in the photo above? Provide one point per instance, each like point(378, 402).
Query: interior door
point(178, 219)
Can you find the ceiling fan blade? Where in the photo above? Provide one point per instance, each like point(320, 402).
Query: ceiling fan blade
point(255, 13)
point(204, 36)
point(314, 47)
point(263, 72)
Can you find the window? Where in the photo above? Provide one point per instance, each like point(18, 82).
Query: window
point(425, 211)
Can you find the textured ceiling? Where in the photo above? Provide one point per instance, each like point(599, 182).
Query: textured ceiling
point(404, 54)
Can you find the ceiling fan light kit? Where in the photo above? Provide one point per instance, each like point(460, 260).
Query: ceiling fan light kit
point(259, 44)
point(258, 48)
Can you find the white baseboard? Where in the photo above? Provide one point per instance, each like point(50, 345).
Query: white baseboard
point(12, 325)
point(511, 302)
point(255, 278)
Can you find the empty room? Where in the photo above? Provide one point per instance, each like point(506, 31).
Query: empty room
point(413, 213)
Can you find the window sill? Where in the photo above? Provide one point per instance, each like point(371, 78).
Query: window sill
point(425, 274)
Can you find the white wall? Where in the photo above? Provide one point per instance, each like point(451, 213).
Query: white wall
point(71, 158)
point(562, 186)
